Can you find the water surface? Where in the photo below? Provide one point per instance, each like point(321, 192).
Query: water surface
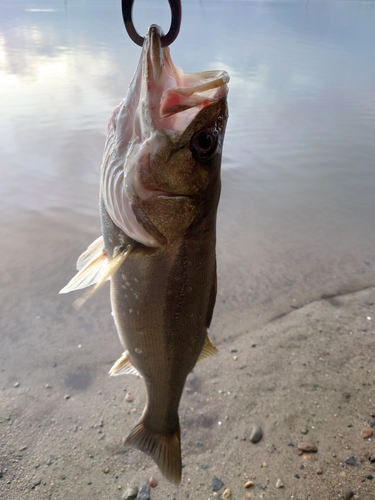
point(296, 220)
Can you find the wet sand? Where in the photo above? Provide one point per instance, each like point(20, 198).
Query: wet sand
point(304, 373)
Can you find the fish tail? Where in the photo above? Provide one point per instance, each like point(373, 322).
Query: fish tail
point(164, 449)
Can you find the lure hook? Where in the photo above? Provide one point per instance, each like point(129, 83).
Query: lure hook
point(175, 6)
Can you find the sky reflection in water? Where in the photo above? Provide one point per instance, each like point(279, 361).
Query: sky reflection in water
point(299, 153)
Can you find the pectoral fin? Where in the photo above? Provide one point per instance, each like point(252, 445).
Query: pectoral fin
point(123, 366)
point(91, 265)
point(208, 349)
point(91, 253)
point(119, 257)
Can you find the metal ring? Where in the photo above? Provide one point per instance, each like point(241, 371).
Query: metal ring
point(175, 6)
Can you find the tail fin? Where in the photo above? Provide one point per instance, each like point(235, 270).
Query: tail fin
point(165, 450)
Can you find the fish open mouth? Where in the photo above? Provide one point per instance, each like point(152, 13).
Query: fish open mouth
point(137, 173)
point(176, 97)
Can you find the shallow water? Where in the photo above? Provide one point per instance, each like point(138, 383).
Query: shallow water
point(296, 223)
point(296, 220)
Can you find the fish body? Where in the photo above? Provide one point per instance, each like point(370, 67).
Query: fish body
point(160, 188)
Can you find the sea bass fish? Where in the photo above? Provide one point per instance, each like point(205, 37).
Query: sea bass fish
point(159, 193)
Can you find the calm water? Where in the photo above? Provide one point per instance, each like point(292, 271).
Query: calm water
point(297, 218)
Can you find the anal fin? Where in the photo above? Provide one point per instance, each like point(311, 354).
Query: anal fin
point(123, 366)
point(208, 349)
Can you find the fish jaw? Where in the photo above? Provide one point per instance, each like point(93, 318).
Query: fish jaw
point(147, 154)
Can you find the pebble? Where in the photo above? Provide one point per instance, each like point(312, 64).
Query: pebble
point(67, 396)
point(217, 484)
point(144, 493)
point(306, 447)
point(106, 470)
point(248, 484)
point(366, 433)
point(319, 471)
point(1, 473)
point(256, 434)
point(347, 494)
point(129, 398)
point(17, 384)
point(279, 483)
point(23, 448)
point(372, 458)
point(226, 494)
point(130, 494)
point(351, 461)
point(304, 430)
point(153, 482)
point(369, 476)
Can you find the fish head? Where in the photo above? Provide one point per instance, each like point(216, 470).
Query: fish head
point(161, 170)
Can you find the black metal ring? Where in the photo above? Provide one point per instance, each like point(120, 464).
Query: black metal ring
point(175, 6)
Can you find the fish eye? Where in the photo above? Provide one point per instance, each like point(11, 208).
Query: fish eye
point(203, 144)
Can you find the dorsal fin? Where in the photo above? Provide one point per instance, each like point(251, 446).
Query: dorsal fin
point(208, 349)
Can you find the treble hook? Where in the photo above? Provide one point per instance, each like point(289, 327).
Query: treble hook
point(175, 6)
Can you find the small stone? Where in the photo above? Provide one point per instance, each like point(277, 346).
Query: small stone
point(217, 484)
point(153, 482)
point(130, 494)
point(48, 386)
point(248, 484)
point(279, 483)
point(17, 384)
point(106, 470)
point(256, 434)
point(304, 430)
point(226, 494)
point(351, 461)
point(129, 398)
point(372, 459)
point(366, 433)
point(1, 473)
point(369, 476)
point(23, 448)
point(319, 471)
point(347, 494)
point(306, 447)
point(264, 464)
point(37, 483)
point(144, 493)
point(67, 396)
